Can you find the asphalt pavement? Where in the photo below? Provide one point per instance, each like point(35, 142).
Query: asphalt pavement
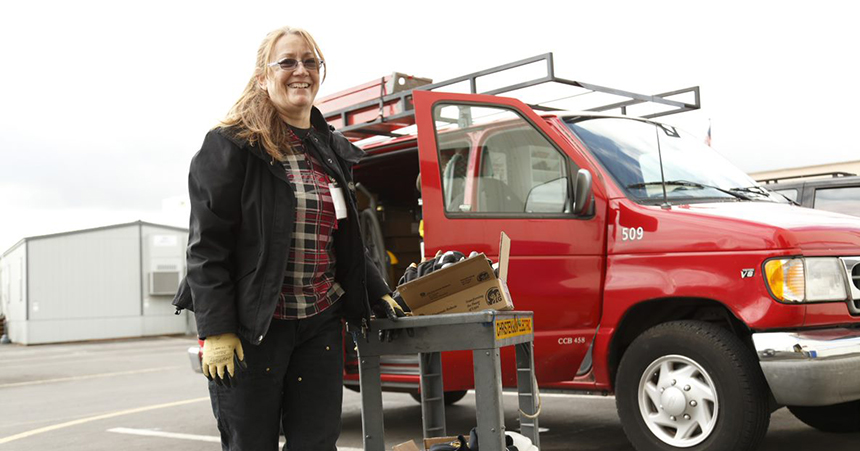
point(142, 395)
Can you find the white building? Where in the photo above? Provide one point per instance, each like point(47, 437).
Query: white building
point(107, 282)
point(852, 167)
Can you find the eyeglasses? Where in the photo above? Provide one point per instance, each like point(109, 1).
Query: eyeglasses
point(310, 64)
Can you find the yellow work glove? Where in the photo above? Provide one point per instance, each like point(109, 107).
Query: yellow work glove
point(387, 307)
point(220, 355)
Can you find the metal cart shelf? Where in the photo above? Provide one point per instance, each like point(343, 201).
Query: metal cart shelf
point(482, 332)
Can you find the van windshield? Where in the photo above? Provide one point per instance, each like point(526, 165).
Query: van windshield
point(628, 149)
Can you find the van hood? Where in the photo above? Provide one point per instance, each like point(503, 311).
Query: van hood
point(733, 226)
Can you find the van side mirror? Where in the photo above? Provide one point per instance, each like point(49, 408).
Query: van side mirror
point(583, 197)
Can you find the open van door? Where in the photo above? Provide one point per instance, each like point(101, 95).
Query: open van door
point(491, 164)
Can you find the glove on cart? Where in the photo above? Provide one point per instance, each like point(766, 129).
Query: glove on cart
point(438, 262)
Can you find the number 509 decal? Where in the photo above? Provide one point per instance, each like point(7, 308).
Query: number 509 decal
point(632, 234)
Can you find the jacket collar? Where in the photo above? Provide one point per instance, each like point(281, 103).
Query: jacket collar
point(318, 126)
point(319, 123)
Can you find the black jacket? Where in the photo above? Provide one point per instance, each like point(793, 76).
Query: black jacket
point(242, 218)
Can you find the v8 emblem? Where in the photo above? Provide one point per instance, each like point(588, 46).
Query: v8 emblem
point(745, 273)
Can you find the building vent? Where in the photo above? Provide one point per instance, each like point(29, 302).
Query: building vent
point(163, 283)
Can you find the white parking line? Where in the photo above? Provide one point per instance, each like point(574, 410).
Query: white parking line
point(89, 376)
point(199, 438)
point(151, 433)
point(33, 432)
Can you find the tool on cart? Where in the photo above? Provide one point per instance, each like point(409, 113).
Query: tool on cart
point(513, 442)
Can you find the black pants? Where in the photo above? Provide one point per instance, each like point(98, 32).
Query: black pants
point(295, 379)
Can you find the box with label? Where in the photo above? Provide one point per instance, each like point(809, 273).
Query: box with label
point(467, 286)
point(428, 442)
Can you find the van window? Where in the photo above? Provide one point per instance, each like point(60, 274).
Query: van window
point(640, 155)
point(838, 200)
point(493, 161)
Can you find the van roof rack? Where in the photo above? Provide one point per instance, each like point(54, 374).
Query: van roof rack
point(835, 174)
point(379, 108)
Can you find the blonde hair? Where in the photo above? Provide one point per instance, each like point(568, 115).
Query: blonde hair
point(253, 115)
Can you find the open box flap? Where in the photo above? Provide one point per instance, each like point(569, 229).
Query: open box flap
point(504, 253)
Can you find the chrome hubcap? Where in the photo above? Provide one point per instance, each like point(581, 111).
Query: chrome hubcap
point(678, 401)
point(673, 401)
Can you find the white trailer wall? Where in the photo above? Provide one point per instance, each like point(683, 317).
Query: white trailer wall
point(94, 284)
point(85, 285)
point(13, 292)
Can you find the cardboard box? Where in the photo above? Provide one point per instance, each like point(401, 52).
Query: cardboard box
point(428, 442)
point(468, 286)
point(406, 446)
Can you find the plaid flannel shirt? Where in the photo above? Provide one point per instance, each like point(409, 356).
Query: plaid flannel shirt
point(309, 287)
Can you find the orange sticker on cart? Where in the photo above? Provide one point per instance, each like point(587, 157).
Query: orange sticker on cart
point(514, 327)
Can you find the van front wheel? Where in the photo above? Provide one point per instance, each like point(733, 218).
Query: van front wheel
point(691, 385)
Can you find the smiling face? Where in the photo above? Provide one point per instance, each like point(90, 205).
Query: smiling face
point(292, 92)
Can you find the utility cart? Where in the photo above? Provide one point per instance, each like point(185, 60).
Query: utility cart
point(484, 333)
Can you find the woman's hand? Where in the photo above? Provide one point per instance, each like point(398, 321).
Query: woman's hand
point(220, 355)
point(387, 307)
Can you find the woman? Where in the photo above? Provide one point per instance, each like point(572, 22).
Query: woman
point(275, 257)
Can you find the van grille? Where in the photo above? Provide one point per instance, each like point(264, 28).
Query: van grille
point(855, 276)
point(852, 270)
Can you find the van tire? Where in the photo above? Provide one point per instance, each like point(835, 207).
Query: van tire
point(719, 394)
point(838, 418)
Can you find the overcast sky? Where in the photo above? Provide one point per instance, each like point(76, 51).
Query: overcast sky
point(104, 103)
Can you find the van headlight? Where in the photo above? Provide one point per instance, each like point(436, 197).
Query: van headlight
point(799, 279)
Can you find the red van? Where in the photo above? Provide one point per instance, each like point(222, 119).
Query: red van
point(656, 270)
